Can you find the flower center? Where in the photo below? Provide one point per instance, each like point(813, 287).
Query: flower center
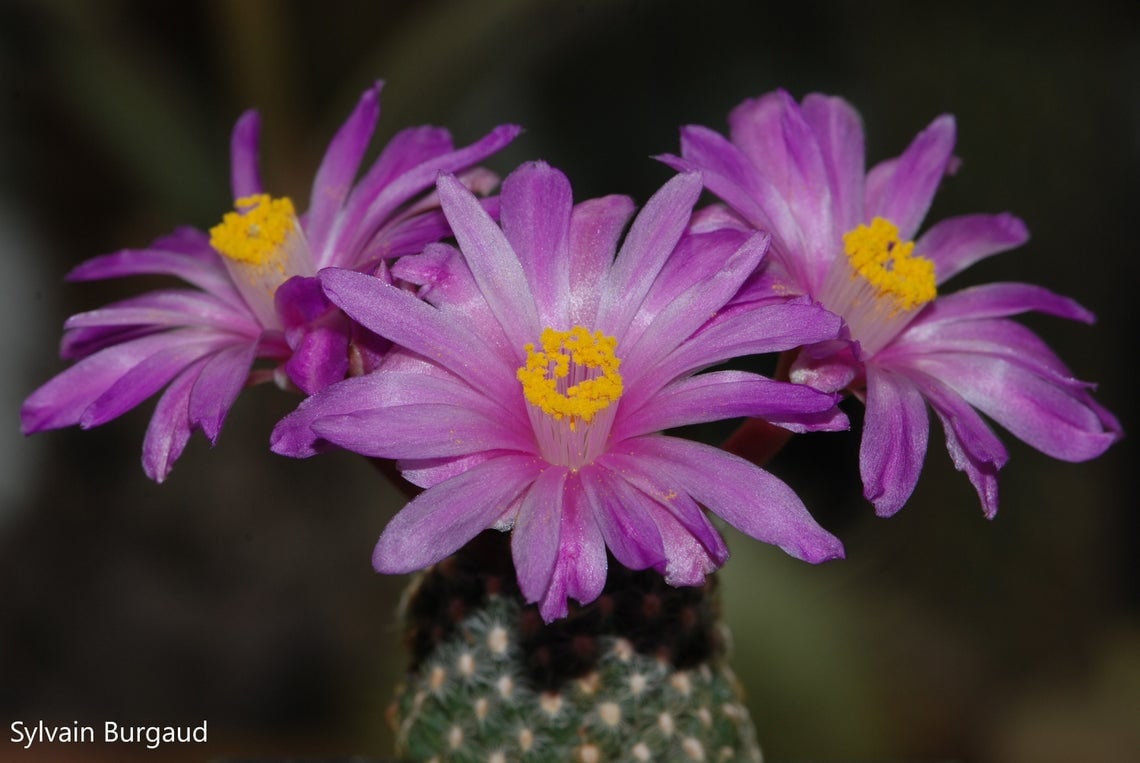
point(263, 246)
point(571, 383)
point(876, 253)
point(879, 285)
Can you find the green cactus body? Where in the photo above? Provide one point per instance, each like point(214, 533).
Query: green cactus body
point(490, 683)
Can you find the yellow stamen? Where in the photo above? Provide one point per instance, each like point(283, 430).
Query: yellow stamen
point(256, 231)
point(876, 253)
point(577, 393)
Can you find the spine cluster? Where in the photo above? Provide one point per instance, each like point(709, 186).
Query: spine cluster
point(494, 685)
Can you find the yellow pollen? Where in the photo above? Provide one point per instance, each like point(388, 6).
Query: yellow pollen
point(876, 253)
point(255, 232)
point(547, 373)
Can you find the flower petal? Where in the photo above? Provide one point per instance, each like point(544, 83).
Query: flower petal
point(441, 519)
point(375, 198)
point(400, 393)
point(693, 548)
point(895, 431)
point(446, 282)
point(647, 246)
point(772, 132)
point(167, 308)
point(338, 169)
point(580, 569)
point(397, 315)
point(998, 300)
point(429, 430)
point(537, 530)
point(759, 329)
point(218, 385)
point(973, 446)
point(151, 374)
point(1060, 420)
point(64, 399)
point(730, 394)
point(696, 305)
point(839, 130)
point(621, 513)
point(1001, 338)
point(493, 263)
point(595, 227)
point(245, 178)
point(535, 216)
point(732, 176)
point(905, 194)
point(956, 243)
point(748, 498)
point(169, 427)
point(206, 272)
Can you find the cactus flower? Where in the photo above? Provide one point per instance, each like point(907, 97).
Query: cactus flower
point(849, 240)
point(252, 291)
point(537, 372)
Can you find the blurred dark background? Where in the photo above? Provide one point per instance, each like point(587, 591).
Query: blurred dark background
point(241, 591)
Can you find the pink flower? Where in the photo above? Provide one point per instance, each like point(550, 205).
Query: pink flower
point(847, 239)
point(537, 372)
point(252, 292)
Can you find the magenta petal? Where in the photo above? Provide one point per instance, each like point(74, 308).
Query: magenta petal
point(320, 358)
point(441, 519)
point(957, 243)
point(373, 202)
point(999, 338)
point(647, 246)
point(595, 227)
point(218, 385)
point(1060, 420)
point(906, 194)
point(730, 394)
point(839, 130)
point(895, 431)
point(580, 569)
point(732, 176)
point(169, 427)
point(697, 258)
point(407, 149)
point(686, 528)
point(168, 308)
point(767, 328)
point(428, 472)
point(339, 166)
point(493, 263)
point(397, 315)
point(207, 273)
point(148, 376)
point(998, 300)
point(772, 132)
point(65, 398)
point(536, 534)
point(431, 430)
point(396, 404)
point(245, 179)
point(686, 312)
point(294, 436)
point(973, 446)
point(447, 283)
point(621, 514)
point(535, 216)
point(747, 497)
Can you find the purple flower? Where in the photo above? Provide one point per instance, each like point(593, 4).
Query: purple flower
point(538, 371)
point(844, 238)
point(253, 294)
